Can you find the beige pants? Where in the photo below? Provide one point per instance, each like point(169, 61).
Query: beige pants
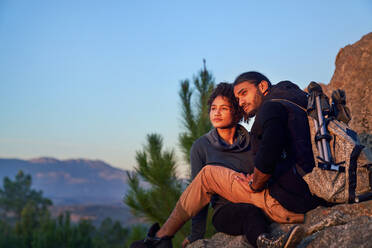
point(222, 181)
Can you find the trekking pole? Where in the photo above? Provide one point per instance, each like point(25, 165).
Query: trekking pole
point(312, 111)
point(318, 143)
point(323, 145)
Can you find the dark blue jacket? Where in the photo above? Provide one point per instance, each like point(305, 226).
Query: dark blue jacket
point(210, 149)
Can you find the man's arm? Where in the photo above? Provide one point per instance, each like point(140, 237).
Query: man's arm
point(273, 119)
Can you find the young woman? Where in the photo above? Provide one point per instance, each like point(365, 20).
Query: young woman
point(226, 145)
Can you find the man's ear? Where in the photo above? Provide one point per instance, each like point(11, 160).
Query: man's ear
point(264, 87)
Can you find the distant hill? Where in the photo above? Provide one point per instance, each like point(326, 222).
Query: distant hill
point(71, 182)
point(97, 213)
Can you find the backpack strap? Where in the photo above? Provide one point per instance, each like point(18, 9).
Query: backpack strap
point(353, 171)
point(285, 100)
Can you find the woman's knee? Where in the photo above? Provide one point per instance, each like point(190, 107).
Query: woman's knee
point(212, 169)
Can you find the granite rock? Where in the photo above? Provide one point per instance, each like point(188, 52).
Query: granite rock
point(353, 74)
point(343, 225)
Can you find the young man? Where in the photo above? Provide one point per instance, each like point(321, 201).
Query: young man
point(282, 149)
point(280, 139)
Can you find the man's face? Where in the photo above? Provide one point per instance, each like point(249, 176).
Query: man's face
point(249, 97)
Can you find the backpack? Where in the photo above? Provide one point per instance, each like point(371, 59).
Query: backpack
point(342, 172)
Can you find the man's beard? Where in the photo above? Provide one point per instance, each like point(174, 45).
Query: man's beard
point(256, 104)
point(251, 114)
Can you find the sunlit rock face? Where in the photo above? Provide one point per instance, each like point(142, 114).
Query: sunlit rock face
point(353, 74)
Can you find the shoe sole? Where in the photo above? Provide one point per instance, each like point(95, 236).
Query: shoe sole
point(295, 237)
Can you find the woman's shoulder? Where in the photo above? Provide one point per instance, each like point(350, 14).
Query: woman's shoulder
point(200, 142)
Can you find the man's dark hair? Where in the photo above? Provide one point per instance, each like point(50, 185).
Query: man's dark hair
point(227, 90)
point(252, 77)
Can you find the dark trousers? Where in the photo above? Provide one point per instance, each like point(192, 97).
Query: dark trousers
point(241, 219)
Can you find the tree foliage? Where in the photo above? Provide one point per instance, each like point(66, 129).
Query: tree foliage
point(158, 169)
point(154, 188)
point(195, 116)
point(35, 228)
point(16, 195)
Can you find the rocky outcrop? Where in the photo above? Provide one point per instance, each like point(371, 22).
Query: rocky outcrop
point(221, 240)
point(353, 74)
point(345, 225)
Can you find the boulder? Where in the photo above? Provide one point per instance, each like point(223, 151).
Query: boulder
point(353, 74)
point(344, 225)
point(221, 240)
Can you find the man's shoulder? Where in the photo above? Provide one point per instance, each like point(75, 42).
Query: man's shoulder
point(270, 107)
point(269, 110)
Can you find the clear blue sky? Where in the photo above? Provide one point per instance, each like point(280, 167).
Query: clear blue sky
point(89, 79)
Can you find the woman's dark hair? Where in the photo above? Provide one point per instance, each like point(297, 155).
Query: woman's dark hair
point(227, 90)
point(252, 77)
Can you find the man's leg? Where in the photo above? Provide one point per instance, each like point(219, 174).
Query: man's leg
point(241, 219)
point(222, 181)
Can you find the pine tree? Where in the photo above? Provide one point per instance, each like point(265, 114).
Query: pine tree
point(17, 194)
point(158, 169)
point(195, 116)
point(154, 188)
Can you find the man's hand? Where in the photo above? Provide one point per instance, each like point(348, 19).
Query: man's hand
point(185, 242)
point(244, 178)
point(259, 179)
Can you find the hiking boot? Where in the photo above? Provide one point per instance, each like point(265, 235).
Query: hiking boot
point(288, 240)
point(151, 241)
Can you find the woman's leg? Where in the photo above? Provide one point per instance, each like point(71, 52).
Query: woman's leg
point(241, 219)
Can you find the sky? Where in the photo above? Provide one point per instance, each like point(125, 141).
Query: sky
point(90, 79)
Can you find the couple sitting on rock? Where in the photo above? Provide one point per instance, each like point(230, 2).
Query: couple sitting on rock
point(250, 179)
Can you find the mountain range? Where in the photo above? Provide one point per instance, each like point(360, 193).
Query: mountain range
point(73, 181)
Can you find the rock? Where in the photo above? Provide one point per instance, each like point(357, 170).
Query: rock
point(221, 240)
point(344, 225)
point(356, 233)
point(353, 74)
point(322, 223)
point(366, 140)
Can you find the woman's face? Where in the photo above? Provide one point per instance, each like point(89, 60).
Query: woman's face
point(221, 114)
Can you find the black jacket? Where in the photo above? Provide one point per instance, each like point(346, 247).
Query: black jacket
point(280, 140)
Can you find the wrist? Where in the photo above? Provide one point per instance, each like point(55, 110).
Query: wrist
point(252, 188)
